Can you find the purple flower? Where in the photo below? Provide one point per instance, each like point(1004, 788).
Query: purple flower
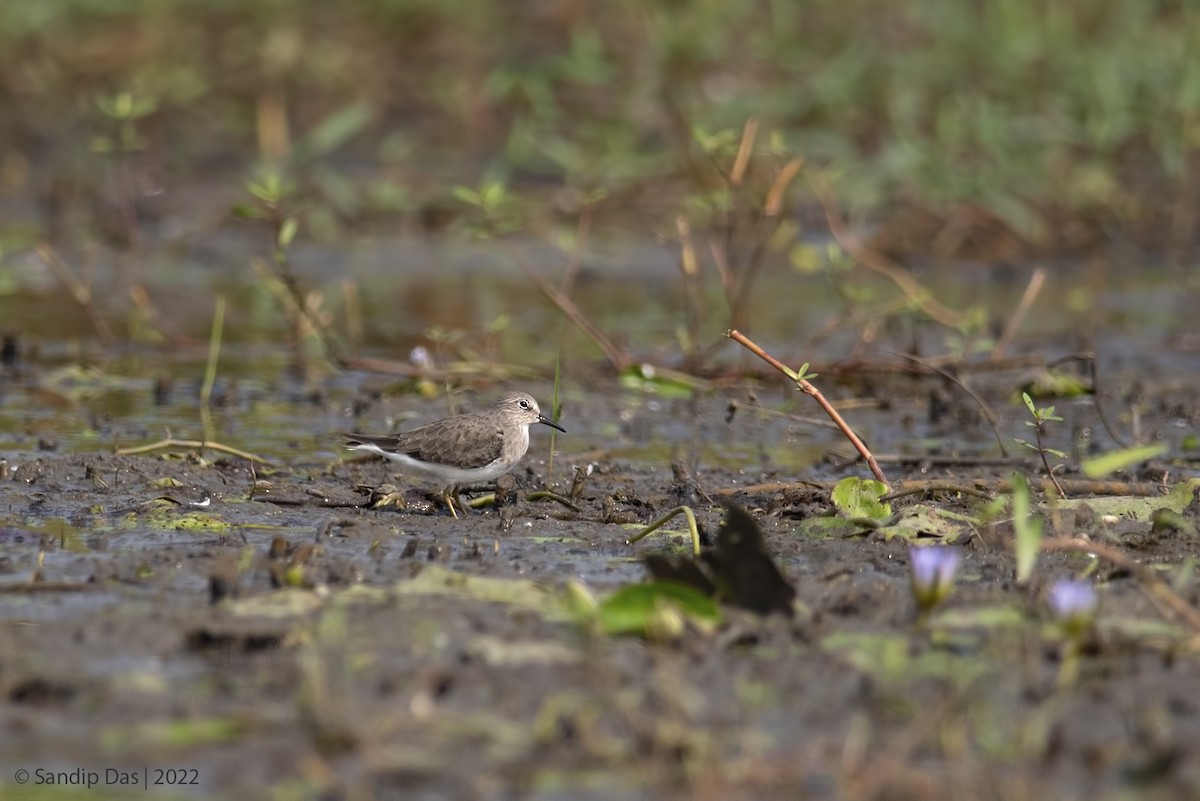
point(933, 568)
point(1073, 604)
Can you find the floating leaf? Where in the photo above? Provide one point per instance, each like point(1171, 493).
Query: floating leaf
point(921, 521)
point(858, 499)
point(197, 521)
point(828, 526)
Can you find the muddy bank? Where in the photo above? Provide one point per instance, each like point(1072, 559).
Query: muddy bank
point(398, 652)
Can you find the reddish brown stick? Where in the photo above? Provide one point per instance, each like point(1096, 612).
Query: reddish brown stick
point(808, 389)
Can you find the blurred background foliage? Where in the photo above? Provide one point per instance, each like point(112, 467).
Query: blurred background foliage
point(963, 128)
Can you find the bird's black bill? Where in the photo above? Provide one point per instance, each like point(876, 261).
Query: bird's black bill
point(544, 419)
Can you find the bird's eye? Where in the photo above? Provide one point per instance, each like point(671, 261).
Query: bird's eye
point(524, 404)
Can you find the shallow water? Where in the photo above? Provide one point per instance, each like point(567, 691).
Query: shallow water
point(111, 655)
point(72, 394)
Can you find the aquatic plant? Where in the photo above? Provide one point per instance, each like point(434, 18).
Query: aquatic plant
point(1041, 417)
point(932, 569)
point(1027, 527)
point(1073, 604)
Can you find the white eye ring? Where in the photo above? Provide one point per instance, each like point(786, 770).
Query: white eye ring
point(524, 404)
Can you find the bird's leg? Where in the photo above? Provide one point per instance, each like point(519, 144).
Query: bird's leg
point(458, 497)
point(448, 495)
point(452, 495)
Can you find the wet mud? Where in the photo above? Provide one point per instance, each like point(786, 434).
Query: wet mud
point(321, 627)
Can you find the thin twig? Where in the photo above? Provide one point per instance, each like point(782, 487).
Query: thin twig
point(745, 151)
point(946, 374)
point(575, 259)
point(1109, 427)
point(921, 487)
point(879, 263)
point(690, 267)
point(808, 389)
point(1032, 289)
point(354, 321)
point(79, 293)
point(943, 460)
point(195, 444)
point(210, 370)
point(724, 270)
point(773, 206)
point(617, 357)
point(332, 351)
point(545, 494)
point(1037, 432)
point(767, 224)
point(662, 521)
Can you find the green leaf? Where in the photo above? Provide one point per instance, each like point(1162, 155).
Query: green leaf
point(656, 608)
point(1053, 384)
point(803, 373)
point(1169, 521)
point(269, 189)
point(248, 212)
point(493, 195)
point(858, 499)
point(198, 521)
point(921, 521)
point(467, 195)
point(1111, 462)
point(830, 527)
point(1028, 529)
point(287, 232)
point(807, 258)
point(335, 129)
point(666, 383)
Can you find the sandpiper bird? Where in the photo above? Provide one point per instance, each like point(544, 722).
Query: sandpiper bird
point(465, 448)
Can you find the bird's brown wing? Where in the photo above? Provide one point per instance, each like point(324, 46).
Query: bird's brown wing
point(386, 442)
point(455, 445)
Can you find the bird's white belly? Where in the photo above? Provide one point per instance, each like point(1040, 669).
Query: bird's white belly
point(446, 474)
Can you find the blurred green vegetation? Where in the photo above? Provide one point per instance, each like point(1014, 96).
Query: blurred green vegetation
point(958, 125)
